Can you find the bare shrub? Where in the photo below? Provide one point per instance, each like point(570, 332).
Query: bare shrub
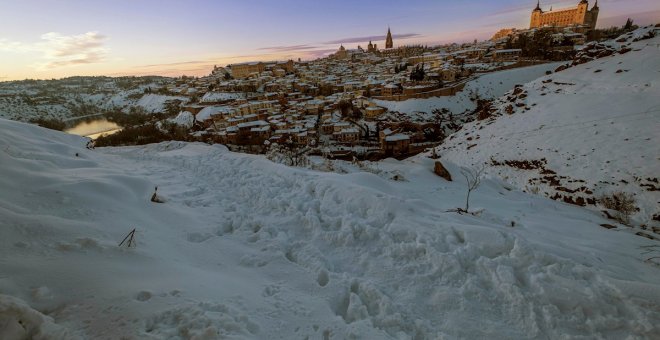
point(289, 154)
point(621, 202)
point(472, 179)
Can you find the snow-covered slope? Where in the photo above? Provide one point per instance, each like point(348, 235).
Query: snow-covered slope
point(245, 248)
point(594, 129)
point(156, 102)
point(54, 99)
point(487, 86)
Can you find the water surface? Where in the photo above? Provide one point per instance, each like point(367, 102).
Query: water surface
point(94, 128)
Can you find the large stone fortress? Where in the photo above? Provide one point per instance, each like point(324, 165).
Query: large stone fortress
point(580, 15)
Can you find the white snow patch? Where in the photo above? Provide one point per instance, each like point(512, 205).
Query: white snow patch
point(487, 86)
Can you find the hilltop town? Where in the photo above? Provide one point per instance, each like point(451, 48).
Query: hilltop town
point(343, 105)
point(498, 189)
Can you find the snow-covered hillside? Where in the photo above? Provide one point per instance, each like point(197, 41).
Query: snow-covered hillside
point(245, 248)
point(592, 129)
point(487, 86)
point(153, 103)
point(78, 96)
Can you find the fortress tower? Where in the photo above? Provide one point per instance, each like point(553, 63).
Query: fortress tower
point(579, 15)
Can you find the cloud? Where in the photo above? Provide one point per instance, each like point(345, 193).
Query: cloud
point(371, 38)
point(14, 46)
point(69, 50)
point(181, 63)
point(292, 48)
point(319, 53)
point(62, 50)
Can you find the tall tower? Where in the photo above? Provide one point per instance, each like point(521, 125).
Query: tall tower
point(536, 16)
point(582, 12)
point(389, 43)
point(593, 16)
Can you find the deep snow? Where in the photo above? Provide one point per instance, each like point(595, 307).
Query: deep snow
point(246, 248)
point(597, 124)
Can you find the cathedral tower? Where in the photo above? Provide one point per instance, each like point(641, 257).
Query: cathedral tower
point(389, 43)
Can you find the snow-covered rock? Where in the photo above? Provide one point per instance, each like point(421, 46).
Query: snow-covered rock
point(153, 103)
point(209, 111)
point(19, 321)
point(184, 119)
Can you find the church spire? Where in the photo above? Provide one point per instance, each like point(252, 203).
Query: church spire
point(389, 43)
point(538, 5)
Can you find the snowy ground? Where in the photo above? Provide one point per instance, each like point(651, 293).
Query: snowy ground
point(245, 248)
point(487, 86)
point(24, 101)
point(596, 124)
point(153, 103)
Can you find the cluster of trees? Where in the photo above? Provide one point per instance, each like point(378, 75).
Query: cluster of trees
point(130, 82)
point(82, 108)
point(49, 123)
point(288, 153)
point(612, 32)
point(418, 73)
point(542, 45)
point(173, 107)
point(137, 116)
point(161, 90)
point(144, 134)
point(401, 67)
point(139, 127)
point(348, 110)
point(538, 45)
point(446, 121)
point(325, 89)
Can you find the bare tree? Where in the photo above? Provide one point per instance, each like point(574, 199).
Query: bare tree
point(289, 153)
point(473, 179)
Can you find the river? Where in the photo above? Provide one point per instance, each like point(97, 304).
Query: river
point(94, 128)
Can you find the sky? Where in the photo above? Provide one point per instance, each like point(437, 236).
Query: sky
point(43, 39)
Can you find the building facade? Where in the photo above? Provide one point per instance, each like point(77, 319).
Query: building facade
point(244, 70)
point(579, 15)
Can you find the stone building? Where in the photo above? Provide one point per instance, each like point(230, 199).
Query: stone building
point(372, 48)
point(503, 33)
point(579, 15)
point(244, 70)
point(506, 55)
point(341, 53)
